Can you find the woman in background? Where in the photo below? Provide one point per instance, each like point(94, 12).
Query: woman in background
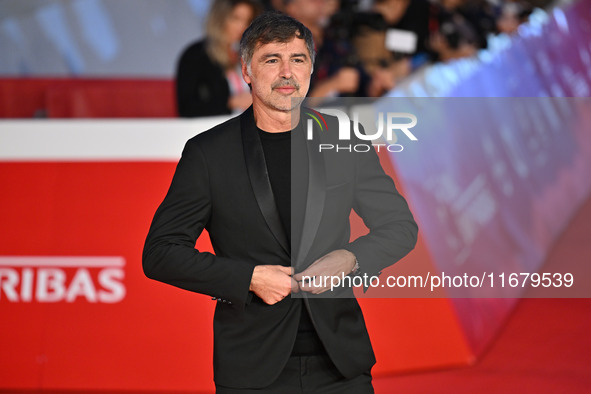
point(208, 76)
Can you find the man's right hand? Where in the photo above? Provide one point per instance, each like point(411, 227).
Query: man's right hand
point(272, 283)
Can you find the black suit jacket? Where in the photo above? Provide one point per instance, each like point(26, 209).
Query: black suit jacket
point(221, 184)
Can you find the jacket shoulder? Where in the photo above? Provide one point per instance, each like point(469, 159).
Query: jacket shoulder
point(223, 134)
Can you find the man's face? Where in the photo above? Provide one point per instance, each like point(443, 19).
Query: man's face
point(279, 72)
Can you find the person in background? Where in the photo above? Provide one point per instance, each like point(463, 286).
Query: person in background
point(452, 35)
point(208, 76)
point(337, 71)
point(273, 5)
point(387, 63)
point(512, 14)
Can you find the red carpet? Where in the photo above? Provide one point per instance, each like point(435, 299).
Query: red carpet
point(544, 348)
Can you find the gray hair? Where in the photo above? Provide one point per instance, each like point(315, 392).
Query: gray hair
point(273, 27)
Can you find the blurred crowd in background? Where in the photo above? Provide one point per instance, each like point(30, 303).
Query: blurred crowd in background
point(364, 47)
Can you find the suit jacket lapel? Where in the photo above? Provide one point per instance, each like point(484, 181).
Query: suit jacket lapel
point(316, 193)
point(259, 177)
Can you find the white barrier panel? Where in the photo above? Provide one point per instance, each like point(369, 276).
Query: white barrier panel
point(101, 140)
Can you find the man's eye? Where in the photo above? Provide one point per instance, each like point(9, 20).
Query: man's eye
point(271, 61)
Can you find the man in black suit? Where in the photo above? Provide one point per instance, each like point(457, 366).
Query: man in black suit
point(277, 210)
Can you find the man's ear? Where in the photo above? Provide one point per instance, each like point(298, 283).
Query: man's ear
point(245, 75)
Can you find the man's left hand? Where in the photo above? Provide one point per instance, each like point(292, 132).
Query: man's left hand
point(336, 263)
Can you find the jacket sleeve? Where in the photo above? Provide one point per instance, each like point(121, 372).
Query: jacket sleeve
point(169, 253)
point(392, 229)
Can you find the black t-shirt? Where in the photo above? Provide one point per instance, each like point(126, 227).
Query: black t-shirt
point(277, 150)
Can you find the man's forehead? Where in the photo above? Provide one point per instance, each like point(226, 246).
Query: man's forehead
point(294, 46)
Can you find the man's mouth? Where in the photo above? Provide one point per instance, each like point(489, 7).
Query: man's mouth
point(285, 89)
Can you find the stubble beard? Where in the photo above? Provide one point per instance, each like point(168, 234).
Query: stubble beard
point(283, 103)
point(294, 102)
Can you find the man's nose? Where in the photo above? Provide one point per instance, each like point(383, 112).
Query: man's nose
point(285, 70)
